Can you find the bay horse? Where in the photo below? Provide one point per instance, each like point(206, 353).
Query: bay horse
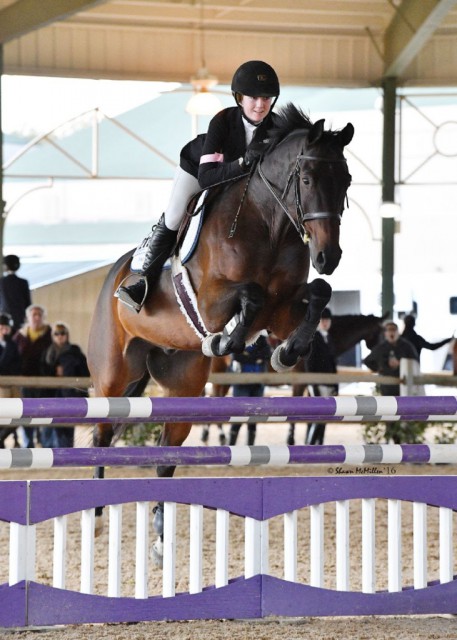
point(249, 272)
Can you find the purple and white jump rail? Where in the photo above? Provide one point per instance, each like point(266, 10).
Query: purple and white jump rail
point(217, 579)
point(43, 411)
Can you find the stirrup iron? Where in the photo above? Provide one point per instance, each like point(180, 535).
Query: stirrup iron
point(123, 296)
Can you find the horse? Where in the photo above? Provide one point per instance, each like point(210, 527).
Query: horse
point(249, 272)
point(345, 331)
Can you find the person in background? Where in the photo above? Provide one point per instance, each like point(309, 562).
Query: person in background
point(385, 357)
point(65, 359)
point(10, 365)
point(254, 359)
point(321, 360)
point(409, 333)
point(32, 341)
point(15, 294)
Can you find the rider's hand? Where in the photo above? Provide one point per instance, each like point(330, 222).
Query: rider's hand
point(252, 155)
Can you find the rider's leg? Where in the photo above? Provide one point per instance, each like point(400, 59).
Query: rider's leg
point(162, 240)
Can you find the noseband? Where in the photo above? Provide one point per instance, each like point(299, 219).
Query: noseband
point(294, 175)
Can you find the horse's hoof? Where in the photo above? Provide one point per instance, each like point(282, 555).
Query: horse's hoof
point(290, 441)
point(276, 363)
point(205, 435)
point(210, 345)
point(99, 525)
point(157, 522)
point(222, 439)
point(157, 553)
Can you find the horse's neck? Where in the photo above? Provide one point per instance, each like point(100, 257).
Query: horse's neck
point(350, 333)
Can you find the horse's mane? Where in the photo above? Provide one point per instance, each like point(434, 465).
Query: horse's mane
point(288, 119)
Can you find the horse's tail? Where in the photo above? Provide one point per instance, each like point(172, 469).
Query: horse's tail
point(134, 390)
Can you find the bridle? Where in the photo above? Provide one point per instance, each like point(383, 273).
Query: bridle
point(301, 217)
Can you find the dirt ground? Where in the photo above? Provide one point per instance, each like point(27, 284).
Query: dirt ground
point(357, 628)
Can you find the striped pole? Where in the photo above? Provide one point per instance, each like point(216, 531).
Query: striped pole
point(277, 455)
point(271, 409)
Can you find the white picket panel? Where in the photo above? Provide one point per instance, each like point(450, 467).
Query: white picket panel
point(59, 552)
point(342, 545)
point(446, 545)
point(222, 547)
point(196, 548)
point(87, 550)
point(368, 545)
point(290, 546)
point(115, 551)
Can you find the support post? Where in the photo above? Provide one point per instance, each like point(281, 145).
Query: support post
point(2, 201)
point(388, 195)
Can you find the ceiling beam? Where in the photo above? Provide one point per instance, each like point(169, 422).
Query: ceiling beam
point(24, 16)
point(410, 29)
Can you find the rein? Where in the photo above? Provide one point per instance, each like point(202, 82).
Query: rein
point(301, 216)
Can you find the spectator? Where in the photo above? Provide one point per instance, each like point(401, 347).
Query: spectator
point(385, 357)
point(32, 340)
point(10, 365)
point(409, 333)
point(65, 359)
point(253, 359)
point(321, 360)
point(10, 360)
point(14, 292)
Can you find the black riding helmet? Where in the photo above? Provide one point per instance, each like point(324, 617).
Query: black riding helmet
point(256, 79)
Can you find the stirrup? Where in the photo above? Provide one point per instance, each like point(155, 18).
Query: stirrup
point(123, 295)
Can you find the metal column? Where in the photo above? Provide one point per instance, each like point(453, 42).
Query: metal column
point(388, 195)
point(2, 202)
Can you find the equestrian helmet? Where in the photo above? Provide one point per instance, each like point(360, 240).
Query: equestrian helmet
point(326, 313)
point(255, 78)
point(11, 262)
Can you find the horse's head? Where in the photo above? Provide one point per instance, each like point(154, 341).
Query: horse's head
point(316, 184)
point(375, 330)
point(323, 180)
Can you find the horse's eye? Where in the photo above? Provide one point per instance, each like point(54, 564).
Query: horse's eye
point(306, 180)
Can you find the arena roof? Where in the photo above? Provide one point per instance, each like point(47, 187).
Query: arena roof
point(310, 42)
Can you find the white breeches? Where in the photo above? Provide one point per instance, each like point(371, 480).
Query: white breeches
point(183, 188)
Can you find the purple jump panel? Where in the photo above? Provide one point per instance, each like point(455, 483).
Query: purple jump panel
point(239, 599)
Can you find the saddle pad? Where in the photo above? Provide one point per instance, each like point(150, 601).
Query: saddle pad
point(187, 247)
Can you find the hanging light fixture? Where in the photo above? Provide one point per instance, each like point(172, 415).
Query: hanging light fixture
point(203, 102)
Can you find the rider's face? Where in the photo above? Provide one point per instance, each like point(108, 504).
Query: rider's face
point(256, 108)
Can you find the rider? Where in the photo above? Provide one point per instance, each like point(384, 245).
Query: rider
point(228, 150)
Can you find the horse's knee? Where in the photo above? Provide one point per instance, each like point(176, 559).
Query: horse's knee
point(320, 293)
point(251, 298)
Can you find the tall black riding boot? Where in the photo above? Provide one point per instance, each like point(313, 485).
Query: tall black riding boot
point(159, 248)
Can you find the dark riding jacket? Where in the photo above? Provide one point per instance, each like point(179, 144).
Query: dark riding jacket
point(221, 147)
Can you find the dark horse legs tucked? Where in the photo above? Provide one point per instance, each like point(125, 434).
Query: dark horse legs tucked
point(298, 344)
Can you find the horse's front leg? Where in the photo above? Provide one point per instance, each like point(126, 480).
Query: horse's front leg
point(232, 339)
point(298, 344)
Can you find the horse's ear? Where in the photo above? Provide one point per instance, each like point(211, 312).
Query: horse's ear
point(346, 134)
point(316, 131)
